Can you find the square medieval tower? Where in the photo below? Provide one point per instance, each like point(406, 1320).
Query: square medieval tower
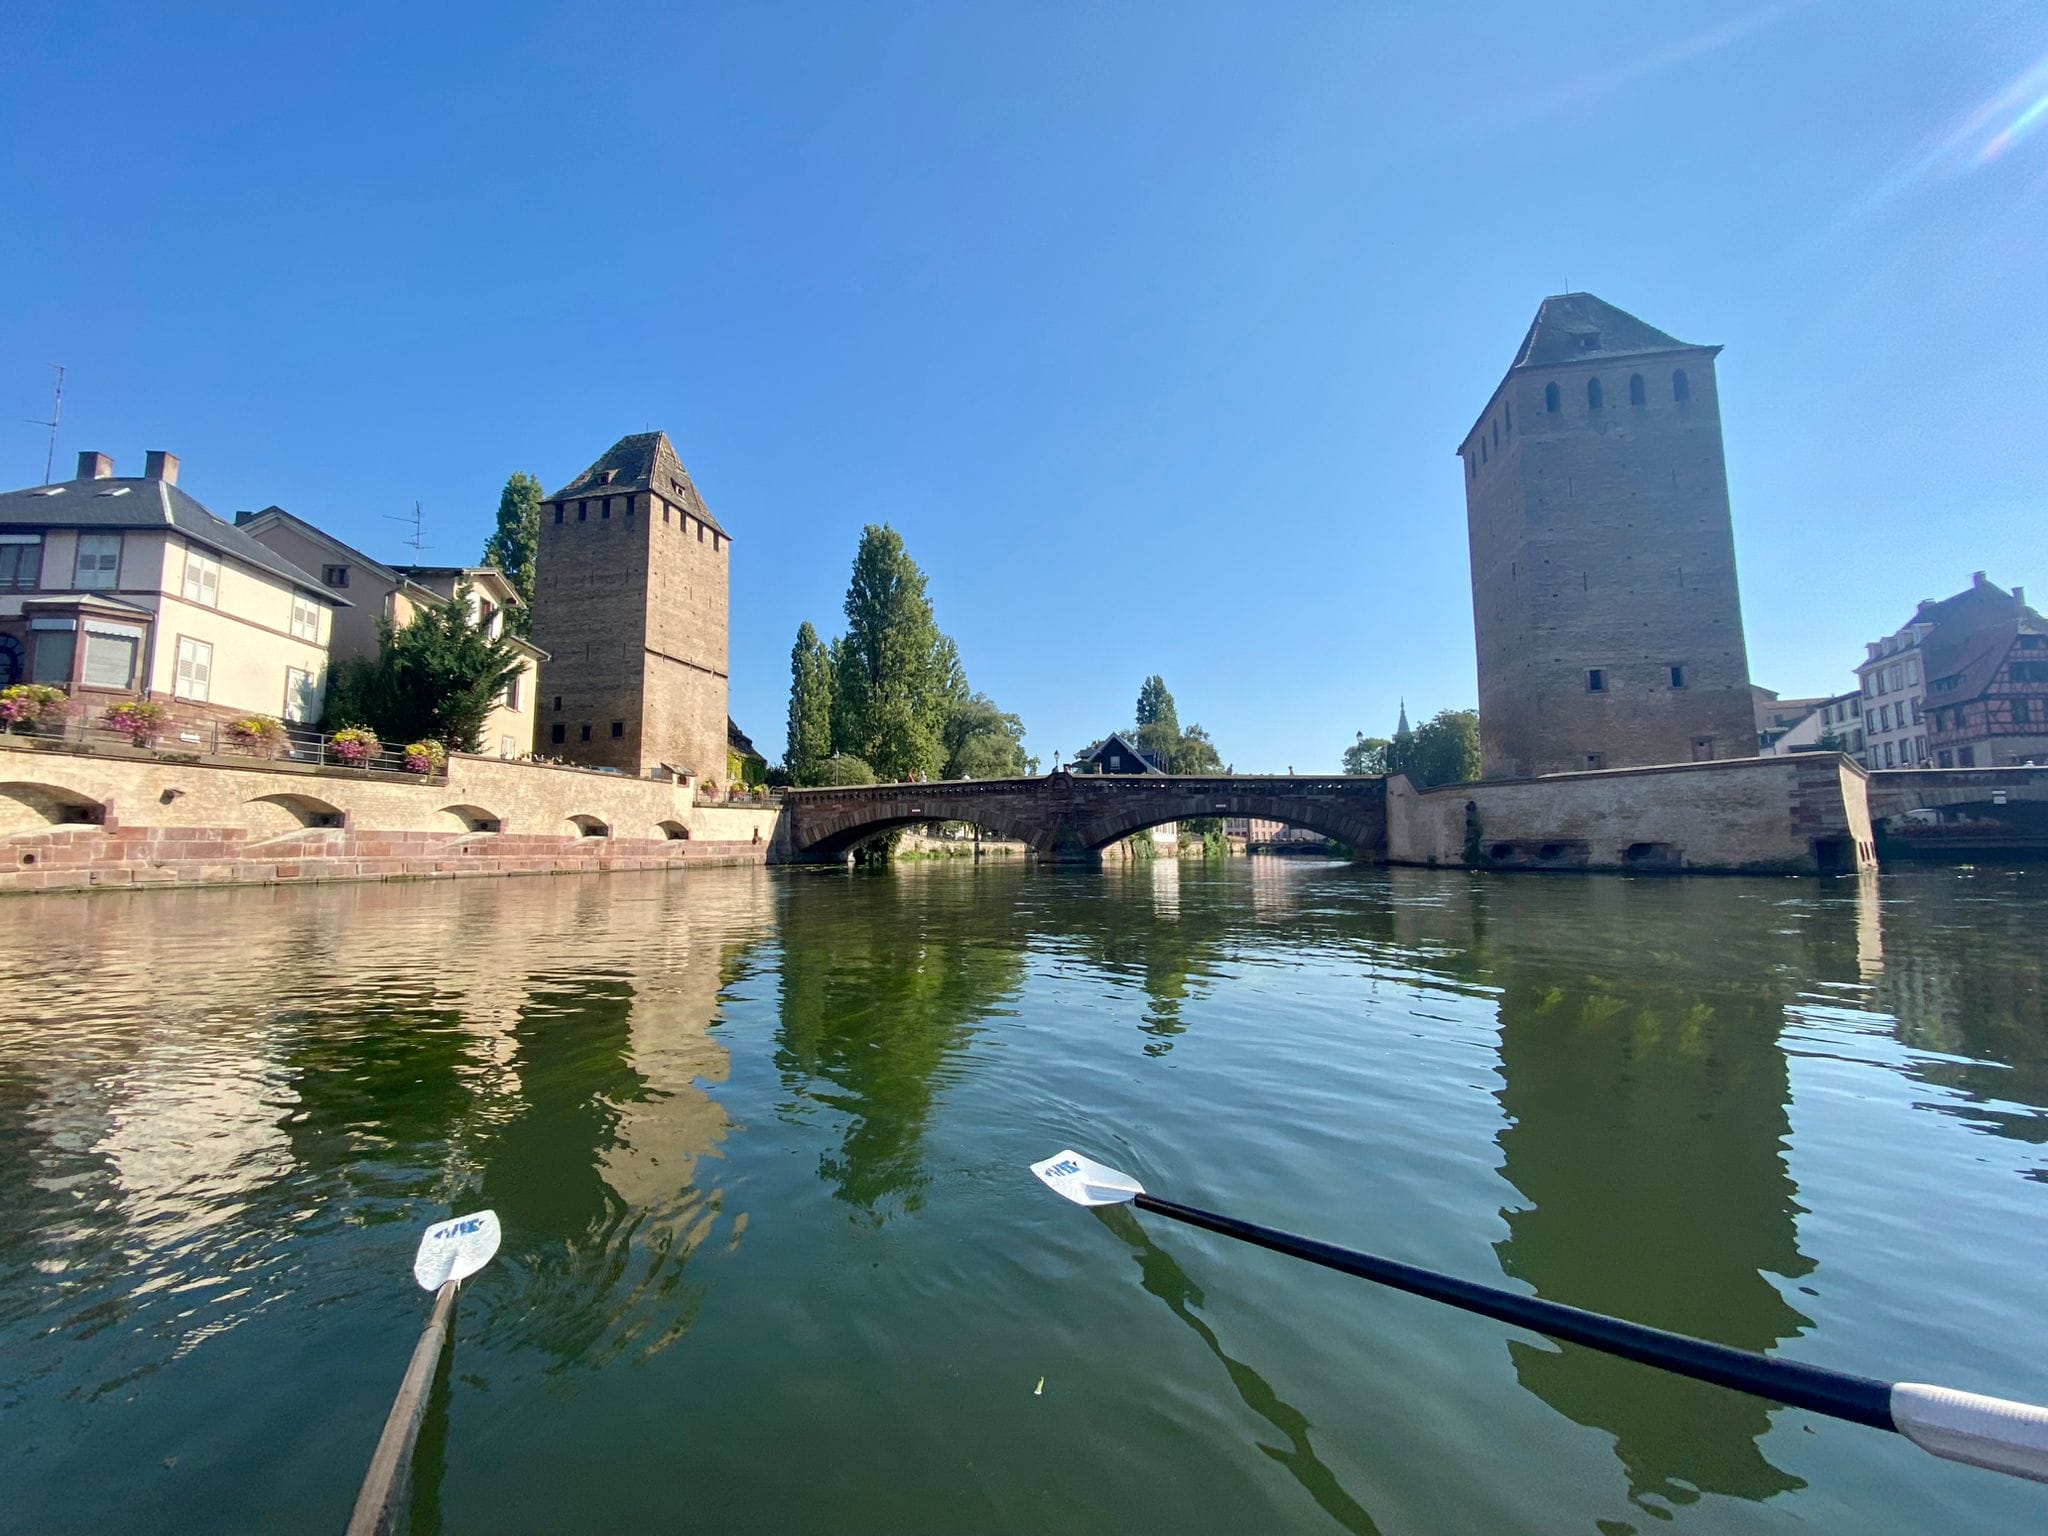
point(630, 603)
point(1604, 603)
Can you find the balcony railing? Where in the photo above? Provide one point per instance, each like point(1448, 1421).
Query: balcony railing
point(210, 740)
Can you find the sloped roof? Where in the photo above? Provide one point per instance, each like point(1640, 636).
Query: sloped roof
point(1117, 738)
point(1582, 327)
point(736, 740)
point(1972, 658)
point(1977, 605)
point(646, 461)
point(139, 502)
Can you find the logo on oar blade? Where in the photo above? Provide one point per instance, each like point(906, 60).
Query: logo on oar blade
point(456, 1249)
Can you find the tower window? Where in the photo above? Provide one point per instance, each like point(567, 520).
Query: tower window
point(1677, 676)
point(1595, 396)
point(1595, 761)
point(664, 511)
point(586, 733)
point(558, 703)
point(1637, 394)
point(700, 533)
point(582, 511)
point(629, 506)
point(558, 511)
point(618, 729)
point(559, 734)
point(605, 511)
point(1681, 386)
point(1550, 398)
point(1596, 680)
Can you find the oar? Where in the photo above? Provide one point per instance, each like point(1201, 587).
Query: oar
point(450, 1252)
point(1961, 1426)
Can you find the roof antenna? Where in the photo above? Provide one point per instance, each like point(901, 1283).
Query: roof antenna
point(418, 540)
point(56, 411)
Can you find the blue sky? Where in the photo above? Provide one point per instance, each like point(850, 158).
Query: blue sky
point(1153, 328)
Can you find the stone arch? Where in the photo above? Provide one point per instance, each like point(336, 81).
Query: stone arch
point(849, 833)
point(471, 818)
point(281, 815)
point(1355, 831)
point(27, 807)
point(674, 831)
point(588, 826)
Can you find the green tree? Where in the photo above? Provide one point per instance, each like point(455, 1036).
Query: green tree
point(1443, 750)
point(1367, 755)
point(1196, 753)
point(982, 742)
point(1830, 742)
point(437, 679)
point(514, 543)
point(895, 669)
point(845, 768)
point(1155, 705)
point(810, 707)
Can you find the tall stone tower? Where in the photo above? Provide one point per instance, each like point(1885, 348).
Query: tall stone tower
point(630, 603)
point(1603, 562)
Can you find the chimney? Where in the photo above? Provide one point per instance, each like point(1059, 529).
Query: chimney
point(2019, 596)
point(95, 466)
point(1976, 578)
point(164, 466)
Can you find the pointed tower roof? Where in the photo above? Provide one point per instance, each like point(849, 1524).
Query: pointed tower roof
point(1401, 725)
point(1574, 327)
point(646, 461)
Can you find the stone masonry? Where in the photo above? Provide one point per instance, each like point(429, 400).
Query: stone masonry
point(630, 602)
point(1608, 625)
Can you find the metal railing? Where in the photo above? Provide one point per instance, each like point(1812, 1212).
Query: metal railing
point(301, 746)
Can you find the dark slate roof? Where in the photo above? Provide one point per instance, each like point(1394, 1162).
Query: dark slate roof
point(1580, 327)
point(1977, 605)
point(1973, 659)
point(646, 461)
point(1125, 744)
point(736, 741)
point(137, 502)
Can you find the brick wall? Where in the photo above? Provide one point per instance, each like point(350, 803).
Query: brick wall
point(1602, 539)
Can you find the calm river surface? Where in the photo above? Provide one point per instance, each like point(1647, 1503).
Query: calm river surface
point(773, 1263)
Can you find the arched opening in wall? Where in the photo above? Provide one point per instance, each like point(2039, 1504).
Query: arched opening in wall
point(1596, 397)
point(1550, 398)
point(38, 807)
point(1276, 830)
point(588, 826)
point(282, 815)
point(923, 838)
point(1638, 393)
point(674, 831)
point(1681, 386)
point(471, 818)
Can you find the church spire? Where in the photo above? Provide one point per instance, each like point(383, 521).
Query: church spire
point(1401, 725)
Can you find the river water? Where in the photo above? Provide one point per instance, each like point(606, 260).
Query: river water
point(773, 1263)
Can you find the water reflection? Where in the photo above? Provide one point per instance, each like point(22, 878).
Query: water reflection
point(1646, 1095)
point(876, 1008)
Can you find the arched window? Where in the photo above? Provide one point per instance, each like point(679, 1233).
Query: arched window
point(1550, 398)
point(1594, 398)
point(1681, 386)
point(1637, 395)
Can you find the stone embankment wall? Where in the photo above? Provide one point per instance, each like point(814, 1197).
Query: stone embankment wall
point(1750, 815)
point(110, 820)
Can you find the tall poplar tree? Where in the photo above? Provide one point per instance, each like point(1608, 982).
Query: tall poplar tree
point(810, 707)
point(895, 670)
point(514, 543)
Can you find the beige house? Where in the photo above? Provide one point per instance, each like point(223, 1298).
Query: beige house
point(118, 586)
point(378, 592)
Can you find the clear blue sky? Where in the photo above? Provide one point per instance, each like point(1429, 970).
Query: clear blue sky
point(1152, 328)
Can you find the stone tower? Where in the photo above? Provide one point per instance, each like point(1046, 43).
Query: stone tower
point(630, 603)
point(1608, 624)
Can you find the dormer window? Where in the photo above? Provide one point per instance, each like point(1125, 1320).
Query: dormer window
point(607, 476)
point(1589, 341)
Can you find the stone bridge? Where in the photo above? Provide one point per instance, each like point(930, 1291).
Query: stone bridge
point(1075, 816)
point(1962, 811)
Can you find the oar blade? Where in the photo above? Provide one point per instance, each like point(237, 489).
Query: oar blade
point(1086, 1182)
point(455, 1249)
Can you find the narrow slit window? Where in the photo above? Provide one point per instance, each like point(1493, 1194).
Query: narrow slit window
point(1596, 680)
point(1595, 396)
point(1550, 398)
point(1637, 393)
point(1681, 386)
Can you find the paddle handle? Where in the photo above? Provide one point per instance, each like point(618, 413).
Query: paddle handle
point(377, 1511)
point(1961, 1426)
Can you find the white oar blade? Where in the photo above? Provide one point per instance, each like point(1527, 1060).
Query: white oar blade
point(455, 1249)
point(1983, 1431)
point(1076, 1178)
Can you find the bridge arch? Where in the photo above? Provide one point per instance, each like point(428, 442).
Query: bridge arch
point(26, 807)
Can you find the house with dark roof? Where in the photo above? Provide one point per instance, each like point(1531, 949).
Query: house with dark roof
point(1896, 672)
point(744, 763)
point(1987, 693)
point(396, 594)
point(1115, 753)
point(118, 586)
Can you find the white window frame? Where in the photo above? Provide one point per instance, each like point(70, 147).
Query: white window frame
point(194, 676)
point(305, 617)
point(99, 568)
point(292, 695)
point(23, 544)
point(202, 579)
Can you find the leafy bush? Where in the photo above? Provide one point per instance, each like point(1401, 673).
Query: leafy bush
point(845, 768)
point(30, 703)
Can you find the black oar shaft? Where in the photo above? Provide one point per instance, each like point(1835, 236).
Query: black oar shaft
point(1837, 1394)
point(384, 1487)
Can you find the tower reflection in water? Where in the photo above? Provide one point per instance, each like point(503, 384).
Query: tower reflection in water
point(1645, 1094)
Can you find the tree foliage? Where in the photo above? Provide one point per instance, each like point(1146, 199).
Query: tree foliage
point(810, 707)
point(845, 768)
point(982, 742)
point(514, 543)
point(1367, 755)
point(1160, 737)
point(437, 679)
point(895, 668)
point(1442, 750)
